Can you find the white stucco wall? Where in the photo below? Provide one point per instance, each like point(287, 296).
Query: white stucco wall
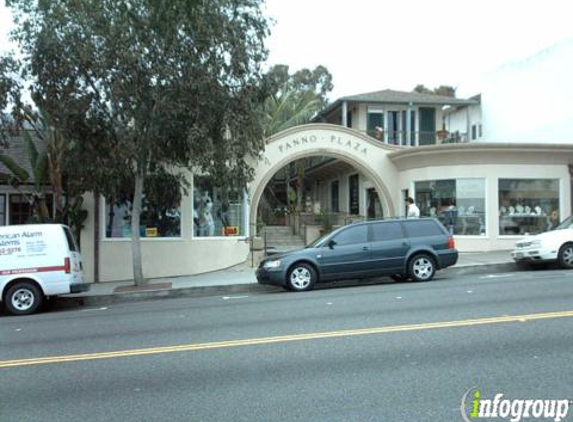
point(492, 173)
point(462, 119)
point(530, 100)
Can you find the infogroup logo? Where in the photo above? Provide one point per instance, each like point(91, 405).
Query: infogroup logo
point(474, 407)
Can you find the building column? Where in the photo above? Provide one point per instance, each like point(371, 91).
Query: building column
point(408, 130)
point(344, 114)
point(468, 124)
point(385, 126)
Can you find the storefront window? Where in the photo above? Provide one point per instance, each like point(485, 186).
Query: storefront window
point(160, 216)
point(217, 211)
point(528, 206)
point(458, 203)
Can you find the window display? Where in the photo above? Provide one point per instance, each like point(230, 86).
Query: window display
point(160, 214)
point(528, 206)
point(217, 211)
point(458, 203)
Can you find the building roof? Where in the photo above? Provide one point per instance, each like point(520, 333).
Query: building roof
point(18, 151)
point(389, 96)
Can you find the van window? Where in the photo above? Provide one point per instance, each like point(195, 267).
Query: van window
point(386, 231)
point(71, 241)
point(420, 228)
point(352, 235)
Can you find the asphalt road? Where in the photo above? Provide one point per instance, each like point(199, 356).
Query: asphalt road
point(387, 352)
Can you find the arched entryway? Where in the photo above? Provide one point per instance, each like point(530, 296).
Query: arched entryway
point(360, 151)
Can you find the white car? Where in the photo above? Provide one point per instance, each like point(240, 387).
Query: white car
point(552, 246)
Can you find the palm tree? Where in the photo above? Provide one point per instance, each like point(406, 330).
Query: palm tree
point(20, 176)
point(289, 108)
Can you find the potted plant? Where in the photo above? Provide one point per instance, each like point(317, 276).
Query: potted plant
point(280, 215)
point(325, 219)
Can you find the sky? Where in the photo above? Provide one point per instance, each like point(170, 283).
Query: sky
point(369, 45)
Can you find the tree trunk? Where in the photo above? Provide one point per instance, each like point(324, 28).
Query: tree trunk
point(42, 209)
point(135, 218)
point(96, 236)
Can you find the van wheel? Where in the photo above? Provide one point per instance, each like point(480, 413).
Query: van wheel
point(422, 268)
point(301, 278)
point(23, 298)
point(565, 256)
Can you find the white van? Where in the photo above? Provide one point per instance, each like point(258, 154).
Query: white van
point(37, 261)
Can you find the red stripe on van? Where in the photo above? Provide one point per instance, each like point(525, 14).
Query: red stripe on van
point(33, 270)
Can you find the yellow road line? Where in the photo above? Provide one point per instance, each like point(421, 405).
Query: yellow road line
point(283, 339)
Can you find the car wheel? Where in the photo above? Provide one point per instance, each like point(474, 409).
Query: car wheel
point(566, 255)
point(301, 278)
point(23, 298)
point(422, 268)
point(399, 277)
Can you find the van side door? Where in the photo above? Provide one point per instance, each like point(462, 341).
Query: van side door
point(389, 247)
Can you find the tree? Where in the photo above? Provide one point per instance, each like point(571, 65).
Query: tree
point(444, 90)
point(422, 89)
point(289, 108)
point(294, 100)
point(317, 81)
point(18, 175)
point(10, 89)
point(140, 87)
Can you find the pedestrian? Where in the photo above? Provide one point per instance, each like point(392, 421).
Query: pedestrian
point(412, 209)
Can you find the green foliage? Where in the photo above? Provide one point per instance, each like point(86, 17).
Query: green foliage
point(10, 89)
point(444, 90)
point(140, 85)
point(317, 81)
point(294, 99)
point(17, 175)
point(75, 216)
point(158, 82)
point(289, 109)
point(260, 225)
point(20, 176)
point(326, 221)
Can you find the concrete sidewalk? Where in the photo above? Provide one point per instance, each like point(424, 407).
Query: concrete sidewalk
point(241, 279)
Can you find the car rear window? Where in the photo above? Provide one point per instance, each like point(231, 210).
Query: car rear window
point(419, 228)
point(386, 231)
point(71, 242)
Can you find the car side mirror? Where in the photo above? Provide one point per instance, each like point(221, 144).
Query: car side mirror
point(331, 243)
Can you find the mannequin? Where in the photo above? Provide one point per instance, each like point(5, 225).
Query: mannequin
point(206, 222)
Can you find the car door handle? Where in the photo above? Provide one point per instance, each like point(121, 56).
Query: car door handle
point(365, 248)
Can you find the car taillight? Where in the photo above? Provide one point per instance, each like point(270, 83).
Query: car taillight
point(451, 243)
point(67, 265)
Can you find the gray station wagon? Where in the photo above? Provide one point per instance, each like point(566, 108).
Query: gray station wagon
point(401, 248)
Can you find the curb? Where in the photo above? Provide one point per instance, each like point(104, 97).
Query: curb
point(68, 302)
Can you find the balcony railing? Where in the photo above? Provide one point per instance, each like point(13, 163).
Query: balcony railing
point(419, 138)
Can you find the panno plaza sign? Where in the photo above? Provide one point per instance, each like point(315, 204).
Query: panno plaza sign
point(321, 141)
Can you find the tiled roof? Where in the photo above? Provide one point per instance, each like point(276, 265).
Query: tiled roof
point(396, 97)
point(389, 96)
point(18, 151)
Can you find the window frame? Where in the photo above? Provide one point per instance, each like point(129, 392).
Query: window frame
point(372, 231)
point(352, 228)
point(560, 196)
point(103, 221)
